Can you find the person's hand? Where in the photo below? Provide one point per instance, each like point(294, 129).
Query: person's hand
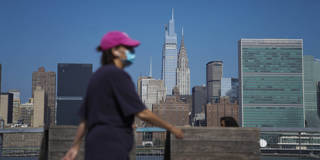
point(177, 132)
point(72, 153)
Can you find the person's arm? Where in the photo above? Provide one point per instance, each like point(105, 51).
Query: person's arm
point(147, 115)
point(80, 133)
point(73, 151)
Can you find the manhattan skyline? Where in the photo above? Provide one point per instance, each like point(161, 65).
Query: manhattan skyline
point(35, 33)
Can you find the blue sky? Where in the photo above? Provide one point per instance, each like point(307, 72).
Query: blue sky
point(44, 33)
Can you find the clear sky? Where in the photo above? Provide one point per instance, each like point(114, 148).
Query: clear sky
point(44, 33)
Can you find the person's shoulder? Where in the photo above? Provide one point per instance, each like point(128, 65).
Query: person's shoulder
point(113, 72)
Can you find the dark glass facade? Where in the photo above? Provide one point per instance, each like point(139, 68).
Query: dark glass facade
point(72, 83)
point(10, 107)
point(73, 79)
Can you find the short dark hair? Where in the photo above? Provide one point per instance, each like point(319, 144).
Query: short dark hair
point(229, 121)
point(107, 56)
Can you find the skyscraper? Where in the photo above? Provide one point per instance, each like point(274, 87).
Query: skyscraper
point(234, 94)
point(183, 70)
point(73, 80)
point(199, 99)
point(6, 107)
point(16, 94)
point(16, 104)
point(38, 107)
point(225, 86)
point(139, 89)
point(271, 82)
point(26, 112)
point(230, 88)
point(47, 81)
point(152, 91)
point(169, 57)
point(311, 67)
point(214, 76)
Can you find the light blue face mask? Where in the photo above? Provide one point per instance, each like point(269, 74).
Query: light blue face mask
point(130, 58)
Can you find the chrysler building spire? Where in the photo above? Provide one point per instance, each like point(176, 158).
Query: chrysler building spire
point(182, 33)
point(183, 70)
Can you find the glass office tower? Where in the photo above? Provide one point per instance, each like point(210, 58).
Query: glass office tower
point(73, 80)
point(311, 80)
point(225, 86)
point(169, 57)
point(271, 82)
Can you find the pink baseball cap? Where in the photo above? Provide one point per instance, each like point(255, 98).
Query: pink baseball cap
point(115, 38)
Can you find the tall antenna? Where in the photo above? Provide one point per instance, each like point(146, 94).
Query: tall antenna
point(150, 67)
point(172, 14)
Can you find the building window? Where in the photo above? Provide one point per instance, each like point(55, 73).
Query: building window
point(147, 136)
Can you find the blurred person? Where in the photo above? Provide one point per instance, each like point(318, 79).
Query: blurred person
point(111, 103)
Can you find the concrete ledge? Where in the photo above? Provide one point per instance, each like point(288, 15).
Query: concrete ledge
point(60, 140)
point(214, 143)
point(199, 143)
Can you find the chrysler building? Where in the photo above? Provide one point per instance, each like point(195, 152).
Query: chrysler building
point(183, 70)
